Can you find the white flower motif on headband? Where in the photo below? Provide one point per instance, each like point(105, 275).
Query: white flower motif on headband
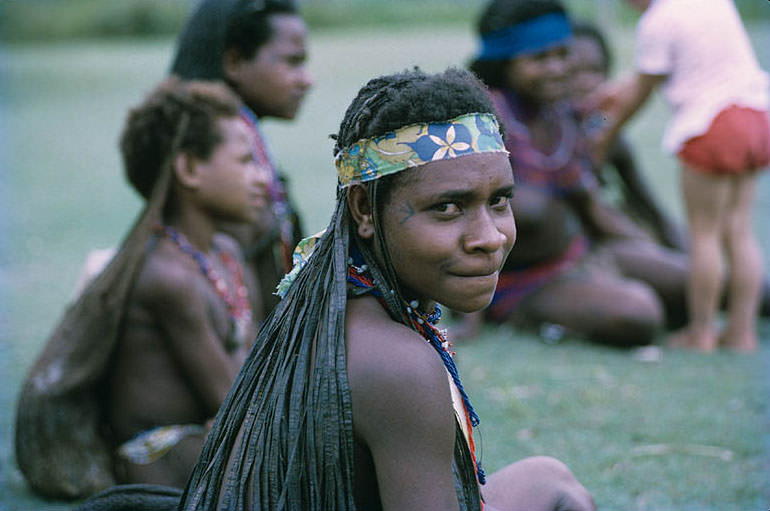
point(448, 146)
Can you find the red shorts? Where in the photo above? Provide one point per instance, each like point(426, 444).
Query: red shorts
point(737, 141)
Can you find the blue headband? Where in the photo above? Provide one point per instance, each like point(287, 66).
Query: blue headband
point(530, 36)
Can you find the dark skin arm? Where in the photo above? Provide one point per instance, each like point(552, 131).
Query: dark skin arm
point(601, 221)
point(402, 410)
point(183, 315)
point(620, 100)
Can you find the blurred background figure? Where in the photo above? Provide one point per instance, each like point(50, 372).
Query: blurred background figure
point(259, 49)
point(188, 323)
point(579, 263)
point(591, 61)
point(145, 356)
point(700, 56)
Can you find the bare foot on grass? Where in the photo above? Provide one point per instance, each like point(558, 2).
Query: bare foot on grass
point(686, 339)
point(745, 343)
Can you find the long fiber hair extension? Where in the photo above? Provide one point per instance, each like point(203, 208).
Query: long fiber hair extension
point(283, 438)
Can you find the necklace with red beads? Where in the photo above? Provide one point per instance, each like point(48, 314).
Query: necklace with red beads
point(235, 297)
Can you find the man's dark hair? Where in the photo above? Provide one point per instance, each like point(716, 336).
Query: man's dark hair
point(500, 14)
point(151, 127)
point(248, 29)
point(216, 25)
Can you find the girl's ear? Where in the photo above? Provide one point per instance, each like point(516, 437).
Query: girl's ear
point(231, 64)
point(361, 210)
point(185, 170)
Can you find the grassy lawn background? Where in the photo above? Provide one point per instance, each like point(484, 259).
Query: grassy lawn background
point(689, 432)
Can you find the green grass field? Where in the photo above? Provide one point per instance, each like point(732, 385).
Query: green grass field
point(688, 432)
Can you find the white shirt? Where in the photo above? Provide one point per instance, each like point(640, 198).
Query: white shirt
point(703, 48)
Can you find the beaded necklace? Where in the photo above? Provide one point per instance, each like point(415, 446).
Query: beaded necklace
point(425, 325)
point(236, 299)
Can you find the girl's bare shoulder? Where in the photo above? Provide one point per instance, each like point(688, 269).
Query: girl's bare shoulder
point(385, 356)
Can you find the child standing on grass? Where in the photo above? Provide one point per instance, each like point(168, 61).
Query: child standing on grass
point(700, 55)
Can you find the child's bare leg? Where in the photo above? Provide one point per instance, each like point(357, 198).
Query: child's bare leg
point(745, 260)
point(706, 198)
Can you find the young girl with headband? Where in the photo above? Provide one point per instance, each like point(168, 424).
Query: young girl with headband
point(350, 398)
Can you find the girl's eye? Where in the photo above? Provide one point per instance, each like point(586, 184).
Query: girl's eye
point(447, 208)
point(501, 201)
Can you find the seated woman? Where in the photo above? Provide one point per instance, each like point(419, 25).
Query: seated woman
point(579, 263)
point(351, 398)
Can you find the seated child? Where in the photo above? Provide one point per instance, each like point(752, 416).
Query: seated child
point(182, 311)
point(188, 320)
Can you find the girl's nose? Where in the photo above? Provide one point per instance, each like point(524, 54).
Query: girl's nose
point(484, 235)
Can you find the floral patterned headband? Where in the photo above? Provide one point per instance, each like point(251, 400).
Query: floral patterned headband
point(418, 144)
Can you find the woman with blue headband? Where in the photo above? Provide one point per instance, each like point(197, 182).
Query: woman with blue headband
point(351, 398)
point(578, 264)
